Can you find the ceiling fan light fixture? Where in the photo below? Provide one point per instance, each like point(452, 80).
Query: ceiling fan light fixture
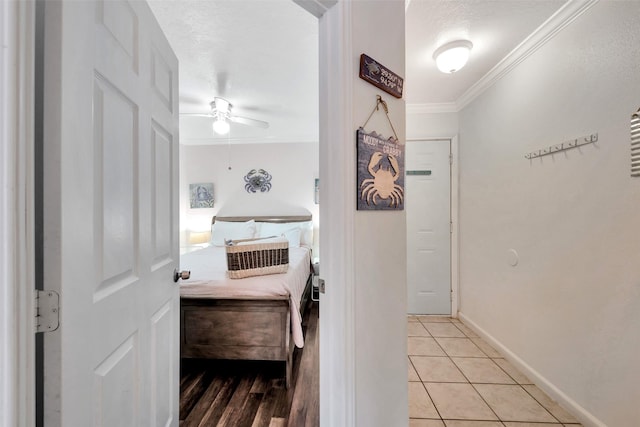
point(221, 105)
point(451, 57)
point(221, 126)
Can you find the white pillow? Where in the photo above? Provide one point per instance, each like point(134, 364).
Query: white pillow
point(271, 240)
point(306, 235)
point(293, 236)
point(275, 229)
point(268, 229)
point(291, 230)
point(226, 230)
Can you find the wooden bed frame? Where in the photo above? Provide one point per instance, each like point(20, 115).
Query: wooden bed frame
point(248, 328)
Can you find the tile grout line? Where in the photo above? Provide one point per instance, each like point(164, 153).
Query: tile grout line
point(432, 402)
point(468, 381)
point(478, 393)
point(516, 383)
point(540, 403)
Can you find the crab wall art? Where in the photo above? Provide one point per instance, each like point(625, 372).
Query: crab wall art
point(257, 179)
point(380, 173)
point(382, 188)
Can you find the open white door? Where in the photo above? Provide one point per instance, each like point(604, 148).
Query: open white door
point(110, 215)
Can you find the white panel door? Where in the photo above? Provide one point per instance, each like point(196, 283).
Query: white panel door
point(110, 215)
point(428, 208)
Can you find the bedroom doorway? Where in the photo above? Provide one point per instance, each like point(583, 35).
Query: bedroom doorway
point(291, 168)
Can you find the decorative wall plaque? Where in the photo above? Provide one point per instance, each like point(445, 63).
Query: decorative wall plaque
point(380, 76)
point(257, 179)
point(201, 195)
point(380, 172)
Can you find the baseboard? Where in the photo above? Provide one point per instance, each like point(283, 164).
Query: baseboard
point(585, 417)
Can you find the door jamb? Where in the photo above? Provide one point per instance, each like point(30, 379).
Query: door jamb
point(17, 259)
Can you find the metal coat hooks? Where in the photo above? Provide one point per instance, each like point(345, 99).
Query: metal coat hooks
point(583, 140)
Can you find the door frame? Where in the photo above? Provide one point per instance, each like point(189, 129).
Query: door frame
point(455, 225)
point(17, 256)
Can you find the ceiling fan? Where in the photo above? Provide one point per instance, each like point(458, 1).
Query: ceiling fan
point(221, 115)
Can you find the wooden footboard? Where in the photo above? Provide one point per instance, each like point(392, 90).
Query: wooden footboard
point(238, 329)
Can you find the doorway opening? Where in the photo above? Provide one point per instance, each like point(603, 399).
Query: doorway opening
point(431, 227)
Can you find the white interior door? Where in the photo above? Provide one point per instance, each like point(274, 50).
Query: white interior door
point(110, 215)
point(428, 208)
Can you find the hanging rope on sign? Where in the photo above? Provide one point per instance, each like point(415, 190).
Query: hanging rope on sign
point(380, 101)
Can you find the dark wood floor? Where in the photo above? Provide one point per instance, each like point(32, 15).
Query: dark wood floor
point(252, 393)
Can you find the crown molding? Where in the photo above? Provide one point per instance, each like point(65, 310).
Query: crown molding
point(241, 141)
point(435, 108)
point(545, 32)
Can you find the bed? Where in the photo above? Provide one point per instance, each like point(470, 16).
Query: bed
point(252, 318)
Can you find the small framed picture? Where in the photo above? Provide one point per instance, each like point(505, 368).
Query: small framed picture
point(201, 195)
point(316, 191)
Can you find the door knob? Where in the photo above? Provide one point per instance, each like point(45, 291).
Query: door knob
point(177, 275)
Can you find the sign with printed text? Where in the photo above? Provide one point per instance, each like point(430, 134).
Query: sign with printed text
point(380, 76)
point(380, 172)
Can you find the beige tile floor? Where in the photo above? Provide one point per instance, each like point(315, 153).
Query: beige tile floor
point(457, 380)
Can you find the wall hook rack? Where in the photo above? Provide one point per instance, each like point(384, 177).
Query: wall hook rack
point(573, 143)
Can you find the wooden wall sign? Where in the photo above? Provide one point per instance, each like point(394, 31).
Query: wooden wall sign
point(380, 76)
point(380, 172)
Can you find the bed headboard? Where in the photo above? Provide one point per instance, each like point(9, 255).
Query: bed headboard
point(265, 226)
point(274, 218)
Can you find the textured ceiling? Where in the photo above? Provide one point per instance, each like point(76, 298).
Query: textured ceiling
point(495, 28)
point(262, 55)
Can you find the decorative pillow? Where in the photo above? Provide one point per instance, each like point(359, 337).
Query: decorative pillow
point(295, 232)
point(227, 230)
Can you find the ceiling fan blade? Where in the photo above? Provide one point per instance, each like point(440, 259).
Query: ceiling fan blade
point(249, 122)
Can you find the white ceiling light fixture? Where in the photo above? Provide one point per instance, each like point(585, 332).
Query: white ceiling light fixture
point(451, 57)
point(220, 110)
point(221, 126)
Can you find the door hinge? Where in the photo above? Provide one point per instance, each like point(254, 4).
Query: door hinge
point(317, 288)
point(450, 159)
point(450, 227)
point(47, 311)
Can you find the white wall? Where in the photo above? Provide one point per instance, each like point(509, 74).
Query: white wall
point(293, 167)
point(568, 312)
point(363, 359)
point(431, 125)
point(380, 255)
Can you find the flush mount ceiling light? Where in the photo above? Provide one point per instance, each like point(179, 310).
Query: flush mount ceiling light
point(452, 56)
